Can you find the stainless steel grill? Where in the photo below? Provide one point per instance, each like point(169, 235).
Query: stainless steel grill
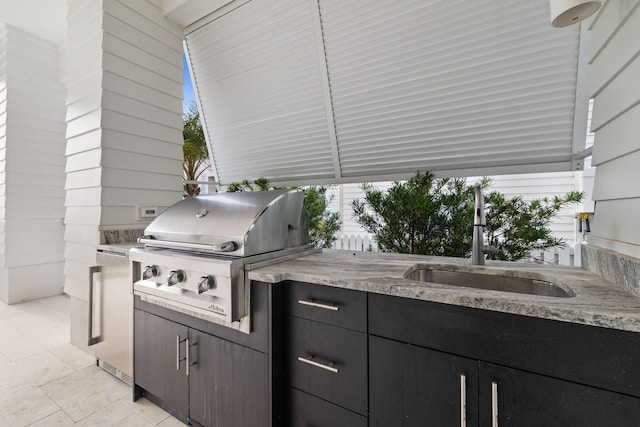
point(198, 252)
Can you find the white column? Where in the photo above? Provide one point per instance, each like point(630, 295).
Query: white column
point(32, 105)
point(124, 130)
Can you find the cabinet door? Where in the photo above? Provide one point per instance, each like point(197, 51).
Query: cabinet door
point(525, 399)
point(415, 386)
point(159, 365)
point(228, 383)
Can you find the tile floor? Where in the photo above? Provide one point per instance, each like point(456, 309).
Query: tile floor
point(46, 381)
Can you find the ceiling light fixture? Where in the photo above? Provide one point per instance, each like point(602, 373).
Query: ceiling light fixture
point(568, 12)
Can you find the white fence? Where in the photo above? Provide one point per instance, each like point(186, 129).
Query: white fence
point(556, 256)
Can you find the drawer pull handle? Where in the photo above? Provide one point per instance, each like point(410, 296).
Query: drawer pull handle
point(312, 362)
point(318, 305)
point(494, 404)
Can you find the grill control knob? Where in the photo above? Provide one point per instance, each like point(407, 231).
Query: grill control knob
point(205, 283)
point(150, 271)
point(175, 277)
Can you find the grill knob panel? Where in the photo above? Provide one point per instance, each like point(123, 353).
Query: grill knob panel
point(205, 283)
point(150, 271)
point(175, 277)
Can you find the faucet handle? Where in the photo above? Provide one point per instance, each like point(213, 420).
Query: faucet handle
point(478, 215)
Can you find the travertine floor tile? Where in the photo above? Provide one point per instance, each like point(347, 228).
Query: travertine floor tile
point(107, 416)
point(85, 392)
point(27, 345)
point(133, 420)
point(45, 381)
point(73, 356)
point(34, 371)
point(58, 419)
point(25, 408)
point(171, 422)
point(146, 410)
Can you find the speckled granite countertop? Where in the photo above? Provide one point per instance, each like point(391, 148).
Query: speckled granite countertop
point(597, 302)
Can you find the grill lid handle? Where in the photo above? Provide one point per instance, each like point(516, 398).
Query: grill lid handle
point(222, 247)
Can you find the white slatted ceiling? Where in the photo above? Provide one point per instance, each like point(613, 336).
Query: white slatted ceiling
point(449, 85)
point(256, 71)
point(419, 85)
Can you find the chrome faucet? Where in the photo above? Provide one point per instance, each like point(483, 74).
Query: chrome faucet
point(479, 222)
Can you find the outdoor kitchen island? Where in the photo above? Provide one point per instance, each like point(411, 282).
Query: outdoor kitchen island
point(345, 339)
point(408, 353)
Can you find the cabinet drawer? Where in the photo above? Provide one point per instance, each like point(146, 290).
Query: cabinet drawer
point(306, 410)
point(327, 362)
point(340, 307)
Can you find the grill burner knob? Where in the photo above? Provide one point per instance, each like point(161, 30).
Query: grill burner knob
point(205, 283)
point(150, 271)
point(176, 277)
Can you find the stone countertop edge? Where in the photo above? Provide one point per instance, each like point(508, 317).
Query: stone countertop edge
point(597, 302)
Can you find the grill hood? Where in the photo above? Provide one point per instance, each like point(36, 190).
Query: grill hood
point(235, 224)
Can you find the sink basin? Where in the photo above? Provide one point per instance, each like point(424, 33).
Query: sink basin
point(491, 282)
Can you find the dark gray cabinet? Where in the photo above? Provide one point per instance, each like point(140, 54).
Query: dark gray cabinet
point(228, 383)
point(325, 356)
point(520, 399)
point(160, 362)
point(524, 371)
point(411, 386)
point(209, 375)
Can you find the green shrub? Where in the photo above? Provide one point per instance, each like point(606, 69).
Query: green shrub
point(434, 216)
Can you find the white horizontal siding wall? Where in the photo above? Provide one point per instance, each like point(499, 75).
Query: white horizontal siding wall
point(32, 105)
point(124, 128)
point(615, 87)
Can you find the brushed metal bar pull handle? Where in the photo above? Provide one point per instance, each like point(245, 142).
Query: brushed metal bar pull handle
point(318, 305)
point(222, 247)
point(494, 404)
point(177, 352)
point(463, 401)
point(92, 339)
point(186, 349)
point(312, 362)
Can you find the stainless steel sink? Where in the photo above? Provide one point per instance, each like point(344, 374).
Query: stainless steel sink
point(491, 282)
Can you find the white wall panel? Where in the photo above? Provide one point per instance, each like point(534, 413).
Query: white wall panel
point(617, 97)
point(612, 220)
point(609, 20)
point(78, 233)
point(124, 127)
point(615, 139)
point(617, 54)
point(83, 142)
point(617, 125)
point(610, 175)
point(33, 167)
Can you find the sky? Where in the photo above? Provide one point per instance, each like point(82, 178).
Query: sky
point(187, 89)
